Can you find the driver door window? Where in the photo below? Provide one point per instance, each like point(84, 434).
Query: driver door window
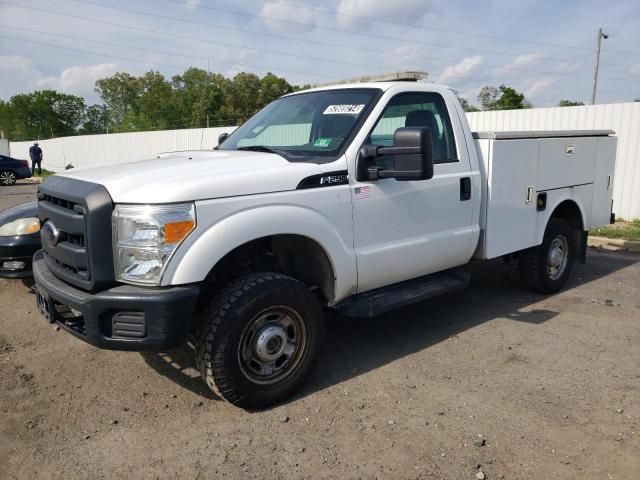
point(419, 109)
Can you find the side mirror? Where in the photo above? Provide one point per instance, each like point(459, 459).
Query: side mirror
point(222, 137)
point(412, 157)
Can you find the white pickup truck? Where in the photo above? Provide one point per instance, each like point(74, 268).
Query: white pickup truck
point(361, 198)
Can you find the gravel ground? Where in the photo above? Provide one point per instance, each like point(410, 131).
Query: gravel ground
point(491, 379)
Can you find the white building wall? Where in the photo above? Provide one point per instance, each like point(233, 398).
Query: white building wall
point(623, 118)
point(114, 148)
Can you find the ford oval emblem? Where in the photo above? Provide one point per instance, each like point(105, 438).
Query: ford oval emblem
point(51, 233)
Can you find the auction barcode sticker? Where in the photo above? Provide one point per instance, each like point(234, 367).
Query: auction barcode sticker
point(337, 109)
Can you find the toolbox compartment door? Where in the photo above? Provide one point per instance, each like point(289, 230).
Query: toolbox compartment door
point(511, 196)
point(603, 182)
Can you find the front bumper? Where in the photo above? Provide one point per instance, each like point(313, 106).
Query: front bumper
point(121, 318)
point(18, 249)
point(23, 172)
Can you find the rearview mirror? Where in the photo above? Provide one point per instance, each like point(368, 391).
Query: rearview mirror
point(222, 137)
point(412, 157)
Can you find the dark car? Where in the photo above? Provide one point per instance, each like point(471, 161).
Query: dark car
point(19, 240)
point(12, 169)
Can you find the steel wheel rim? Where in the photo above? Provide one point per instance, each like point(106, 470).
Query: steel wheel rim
point(7, 178)
point(557, 257)
point(272, 345)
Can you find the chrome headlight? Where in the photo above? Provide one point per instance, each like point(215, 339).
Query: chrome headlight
point(145, 237)
point(21, 226)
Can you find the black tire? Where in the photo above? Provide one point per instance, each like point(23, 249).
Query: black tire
point(537, 270)
point(259, 307)
point(7, 178)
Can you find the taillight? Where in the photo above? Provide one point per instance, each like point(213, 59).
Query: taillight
point(24, 163)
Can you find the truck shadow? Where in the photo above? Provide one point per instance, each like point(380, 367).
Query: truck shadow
point(355, 346)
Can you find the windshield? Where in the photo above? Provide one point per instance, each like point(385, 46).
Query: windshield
point(305, 126)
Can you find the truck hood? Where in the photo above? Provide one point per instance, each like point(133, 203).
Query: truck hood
point(197, 175)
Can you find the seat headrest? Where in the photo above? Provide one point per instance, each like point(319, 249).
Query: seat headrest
point(423, 118)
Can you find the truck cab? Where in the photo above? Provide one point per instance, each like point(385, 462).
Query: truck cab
point(360, 197)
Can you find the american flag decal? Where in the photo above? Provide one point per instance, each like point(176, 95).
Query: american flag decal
point(362, 192)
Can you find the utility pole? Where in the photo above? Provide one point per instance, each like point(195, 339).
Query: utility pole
point(601, 35)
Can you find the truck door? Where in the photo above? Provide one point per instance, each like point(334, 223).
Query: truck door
point(402, 229)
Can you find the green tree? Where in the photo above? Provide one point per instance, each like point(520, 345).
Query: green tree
point(95, 120)
point(157, 106)
point(121, 94)
point(570, 103)
point(468, 106)
point(272, 87)
point(243, 100)
point(43, 113)
point(195, 98)
point(502, 98)
point(199, 94)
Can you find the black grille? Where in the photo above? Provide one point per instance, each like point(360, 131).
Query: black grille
point(60, 202)
point(68, 254)
point(81, 213)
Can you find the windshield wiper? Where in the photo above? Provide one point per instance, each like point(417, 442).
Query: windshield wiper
point(262, 148)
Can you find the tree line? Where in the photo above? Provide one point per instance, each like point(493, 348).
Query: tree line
point(193, 99)
point(505, 98)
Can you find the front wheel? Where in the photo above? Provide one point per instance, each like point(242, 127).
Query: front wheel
point(7, 178)
point(259, 339)
point(546, 268)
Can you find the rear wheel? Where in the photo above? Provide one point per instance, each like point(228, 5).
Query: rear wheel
point(546, 268)
point(7, 178)
point(259, 339)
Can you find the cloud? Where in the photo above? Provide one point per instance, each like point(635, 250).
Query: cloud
point(461, 70)
point(538, 86)
point(17, 74)
point(303, 19)
point(405, 57)
point(16, 64)
point(521, 63)
point(355, 14)
point(635, 69)
point(78, 80)
point(191, 5)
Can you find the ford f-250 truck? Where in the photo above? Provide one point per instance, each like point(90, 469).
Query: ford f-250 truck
point(361, 198)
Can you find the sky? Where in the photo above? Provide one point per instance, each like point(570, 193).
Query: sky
point(543, 48)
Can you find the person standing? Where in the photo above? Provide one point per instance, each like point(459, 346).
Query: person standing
point(35, 152)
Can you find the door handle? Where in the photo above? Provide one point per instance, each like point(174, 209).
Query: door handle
point(465, 189)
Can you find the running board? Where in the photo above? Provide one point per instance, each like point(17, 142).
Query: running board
point(385, 299)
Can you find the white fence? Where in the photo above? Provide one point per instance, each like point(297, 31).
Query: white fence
point(114, 148)
point(624, 118)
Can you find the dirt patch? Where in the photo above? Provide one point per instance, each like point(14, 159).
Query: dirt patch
point(491, 379)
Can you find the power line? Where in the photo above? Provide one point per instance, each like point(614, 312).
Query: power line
point(332, 44)
point(11, 27)
point(361, 34)
point(404, 25)
point(92, 53)
point(340, 45)
point(376, 51)
point(206, 59)
point(263, 67)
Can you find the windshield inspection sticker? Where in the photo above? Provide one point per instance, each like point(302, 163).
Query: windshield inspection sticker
point(342, 109)
point(322, 142)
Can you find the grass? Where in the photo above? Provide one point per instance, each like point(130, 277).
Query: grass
point(46, 173)
point(621, 230)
